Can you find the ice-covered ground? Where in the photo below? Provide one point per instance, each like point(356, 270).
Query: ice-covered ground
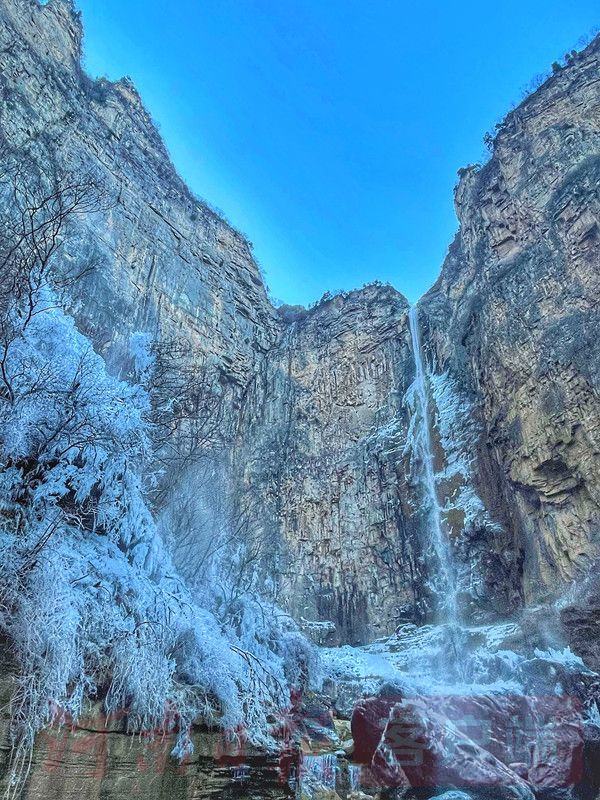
point(492, 670)
point(443, 659)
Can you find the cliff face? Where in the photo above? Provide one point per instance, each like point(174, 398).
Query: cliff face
point(514, 316)
point(163, 261)
point(323, 428)
point(303, 397)
point(318, 421)
point(316, 415)
point(97, 759)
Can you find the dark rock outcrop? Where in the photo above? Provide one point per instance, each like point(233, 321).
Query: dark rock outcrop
point(369, 720)
point(581, 624)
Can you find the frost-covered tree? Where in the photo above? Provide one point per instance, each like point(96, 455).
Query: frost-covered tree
point(90, 599)
point(187, 407)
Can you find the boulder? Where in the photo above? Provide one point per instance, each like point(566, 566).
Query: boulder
point(433, 753)
point(558, 753)
point(369, 719)
point(499, 724)
point(386, 769)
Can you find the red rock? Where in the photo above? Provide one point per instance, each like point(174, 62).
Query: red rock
point(432, 752)
point(369, 719)
point(558, 754)
point(500, 724)
point(386, 770)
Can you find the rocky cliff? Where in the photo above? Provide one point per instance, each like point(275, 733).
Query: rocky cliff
point(317, 415)
point(304, 393)
point(96, 758)
point(318, 421)
point(162, 260)
point(324, 425)
point(514, 317)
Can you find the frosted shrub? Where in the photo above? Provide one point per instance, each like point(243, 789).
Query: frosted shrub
point(89, 597)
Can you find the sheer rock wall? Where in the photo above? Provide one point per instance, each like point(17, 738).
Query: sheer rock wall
point(515, 317)
point(324, 428)
point(315, 424)
point(163, 261)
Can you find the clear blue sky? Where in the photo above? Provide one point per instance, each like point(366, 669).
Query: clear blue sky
point(330, 131)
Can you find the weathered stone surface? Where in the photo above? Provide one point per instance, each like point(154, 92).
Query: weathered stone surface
point(368, 724)
point(514, 315)
point(96, 759)
point(386, 769)
point(591, 762)
point(581, 622)
point(96, 764)
point(325, 430)
point(558, 754)
point(163, 260)
point(483, 743)
point(432, 752)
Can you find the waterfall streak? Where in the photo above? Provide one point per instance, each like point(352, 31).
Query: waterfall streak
point(445, 584)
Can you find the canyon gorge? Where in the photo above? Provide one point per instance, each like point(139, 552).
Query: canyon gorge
point(420, 485)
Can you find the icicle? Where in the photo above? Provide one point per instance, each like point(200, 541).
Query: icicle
point(354, 772)
point(321, 768)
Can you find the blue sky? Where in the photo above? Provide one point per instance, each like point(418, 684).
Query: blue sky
point(330, 131)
